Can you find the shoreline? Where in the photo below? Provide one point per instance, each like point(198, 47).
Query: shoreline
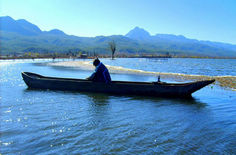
point(223, 81)
point(108, 57)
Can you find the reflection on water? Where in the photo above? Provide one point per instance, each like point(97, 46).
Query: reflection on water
point(59, 122)
point(98, 98)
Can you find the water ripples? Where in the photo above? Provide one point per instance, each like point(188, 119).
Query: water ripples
point(58, 122)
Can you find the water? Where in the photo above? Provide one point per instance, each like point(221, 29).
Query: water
point(57, 122)
point(210, 67)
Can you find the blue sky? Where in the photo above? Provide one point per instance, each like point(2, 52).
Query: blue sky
point(213, 20)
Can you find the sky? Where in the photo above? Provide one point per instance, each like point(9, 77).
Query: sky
point(213, 20)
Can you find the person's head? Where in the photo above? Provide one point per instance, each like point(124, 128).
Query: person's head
point(96, 62)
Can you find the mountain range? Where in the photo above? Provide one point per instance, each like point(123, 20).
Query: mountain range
point(19, 36)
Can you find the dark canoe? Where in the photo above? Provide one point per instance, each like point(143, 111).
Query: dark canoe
point(162, 89)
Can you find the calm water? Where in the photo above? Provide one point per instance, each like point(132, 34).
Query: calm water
point(210, 67)
point(57, 122)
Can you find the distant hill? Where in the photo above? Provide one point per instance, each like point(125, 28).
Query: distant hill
point(18, 26)
point(138, 34)
point(55, 32)
point(19, 36)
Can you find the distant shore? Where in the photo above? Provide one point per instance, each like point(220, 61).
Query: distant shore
point(106, 56)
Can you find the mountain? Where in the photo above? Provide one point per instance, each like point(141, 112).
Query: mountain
point(19, 36)
point(55, 32)
point(181, 43)
point(171, 37)
point(138, 34)
point(143, 35)
point(220, 45)
point(24, 27)
point(27, 26)
point(19, 26)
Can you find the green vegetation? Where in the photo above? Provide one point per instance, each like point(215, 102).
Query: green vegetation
point(16, 44)
point(19, 37)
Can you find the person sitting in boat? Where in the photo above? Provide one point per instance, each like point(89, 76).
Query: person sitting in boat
point(101, 73)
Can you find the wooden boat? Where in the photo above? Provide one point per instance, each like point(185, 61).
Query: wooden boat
point(162, 89)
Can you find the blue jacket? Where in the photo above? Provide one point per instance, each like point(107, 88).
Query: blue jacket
point(100, 74)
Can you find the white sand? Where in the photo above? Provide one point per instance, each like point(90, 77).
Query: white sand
point(86, 65)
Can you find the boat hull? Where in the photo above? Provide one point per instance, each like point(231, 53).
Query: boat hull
point(36, 81)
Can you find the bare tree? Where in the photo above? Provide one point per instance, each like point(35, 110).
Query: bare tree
point(112, 46)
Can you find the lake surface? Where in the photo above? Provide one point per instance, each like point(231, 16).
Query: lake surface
point(58, 122)
point(210, 67)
